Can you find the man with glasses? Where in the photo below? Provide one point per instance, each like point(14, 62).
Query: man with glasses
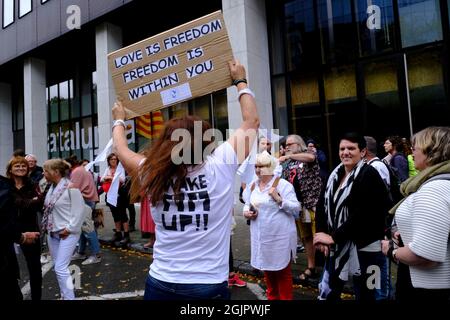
point(301, 168)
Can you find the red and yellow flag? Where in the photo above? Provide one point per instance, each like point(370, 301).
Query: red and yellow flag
point(149, 125)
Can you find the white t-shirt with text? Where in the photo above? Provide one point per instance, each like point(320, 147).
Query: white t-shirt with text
point(193, 235)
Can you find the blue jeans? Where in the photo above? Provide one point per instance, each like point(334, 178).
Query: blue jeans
point(93, 243)
point(385, 292)
point(367, 260)
point(89, 236)
point(160, 290)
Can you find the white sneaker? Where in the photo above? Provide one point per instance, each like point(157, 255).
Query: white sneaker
point(92, 260)
point(77, 256)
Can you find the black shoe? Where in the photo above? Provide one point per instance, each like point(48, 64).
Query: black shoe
point(124, 242)
point(116, 238)
point(132, 228)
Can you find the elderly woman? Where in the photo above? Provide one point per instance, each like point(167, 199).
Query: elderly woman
point(423, 218)
point(271, 205)
point(351, 222)
point(62, 220)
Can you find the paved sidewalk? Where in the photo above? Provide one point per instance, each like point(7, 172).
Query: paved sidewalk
point(240, 244)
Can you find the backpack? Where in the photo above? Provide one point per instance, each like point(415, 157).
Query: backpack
point(394, 189)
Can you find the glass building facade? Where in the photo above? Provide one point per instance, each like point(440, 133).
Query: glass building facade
point(379, 67)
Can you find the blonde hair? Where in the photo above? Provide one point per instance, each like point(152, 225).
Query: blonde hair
point(265, 159)
point(58, 165)
point(434, 143)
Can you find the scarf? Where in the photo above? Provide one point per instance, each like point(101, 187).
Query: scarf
point(343, 258)
point(413, 184)
point(54, 193)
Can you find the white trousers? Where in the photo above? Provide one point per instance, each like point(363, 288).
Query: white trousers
point(61, 252)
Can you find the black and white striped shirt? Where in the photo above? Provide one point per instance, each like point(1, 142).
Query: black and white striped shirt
point(423, 220)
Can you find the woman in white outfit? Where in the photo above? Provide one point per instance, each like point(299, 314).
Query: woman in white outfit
point(272, 206)
point(62, 220)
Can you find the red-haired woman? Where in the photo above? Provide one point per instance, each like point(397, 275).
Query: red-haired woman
point(191, 199)
point(28, 201)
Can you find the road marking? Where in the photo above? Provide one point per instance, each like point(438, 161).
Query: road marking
point(257, 291)
point(26, 289)
point(113, 296)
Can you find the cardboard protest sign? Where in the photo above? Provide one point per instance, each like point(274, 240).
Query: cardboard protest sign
point(174, 66)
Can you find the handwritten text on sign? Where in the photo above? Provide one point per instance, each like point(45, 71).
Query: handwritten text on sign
point(180, 64)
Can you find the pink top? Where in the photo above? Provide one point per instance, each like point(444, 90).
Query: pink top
point(83, 180)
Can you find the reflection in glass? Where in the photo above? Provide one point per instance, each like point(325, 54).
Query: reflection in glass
point(94, 90)
point(86, 96)
point(8, 12)
point(385, 115)
point(276, 42)
point(24, 7)
point(220, 111)
point(420, 21)
point(375, 22)
point(279, 97)
point(64, 100)
point(340, 83)
point(337, 30)
point(306, 110)
point(429, 105)
point(302, 36)
point(200, 107)
point(54, 103)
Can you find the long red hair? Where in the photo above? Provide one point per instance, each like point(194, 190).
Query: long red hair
point(156, 174)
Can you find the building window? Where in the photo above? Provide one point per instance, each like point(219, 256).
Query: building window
point(420, 21)
point(303, 47)
point(8, 12)
point(337, 30)
point(25, 7)
point(71, 130)
point(429, 105)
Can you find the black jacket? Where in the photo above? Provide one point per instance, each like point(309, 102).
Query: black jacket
point(368, 205)
point(37, 174)
point(9, 231)
point(28, 206)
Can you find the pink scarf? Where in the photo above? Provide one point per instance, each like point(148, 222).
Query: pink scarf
point(54, 193)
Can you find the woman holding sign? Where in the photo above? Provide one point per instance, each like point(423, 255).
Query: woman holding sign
point(190, 201)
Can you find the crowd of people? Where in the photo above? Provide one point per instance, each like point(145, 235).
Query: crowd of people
point(364, 216)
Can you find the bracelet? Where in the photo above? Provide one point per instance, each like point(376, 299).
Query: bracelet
point(119, 122)
point(245, 91)
point(237, 81)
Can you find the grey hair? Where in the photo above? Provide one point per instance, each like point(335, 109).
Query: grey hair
point(371, 145)
point(30, 157)
point(298, 140)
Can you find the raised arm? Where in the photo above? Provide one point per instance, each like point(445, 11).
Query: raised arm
point(130, 159)
point(242, 139)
